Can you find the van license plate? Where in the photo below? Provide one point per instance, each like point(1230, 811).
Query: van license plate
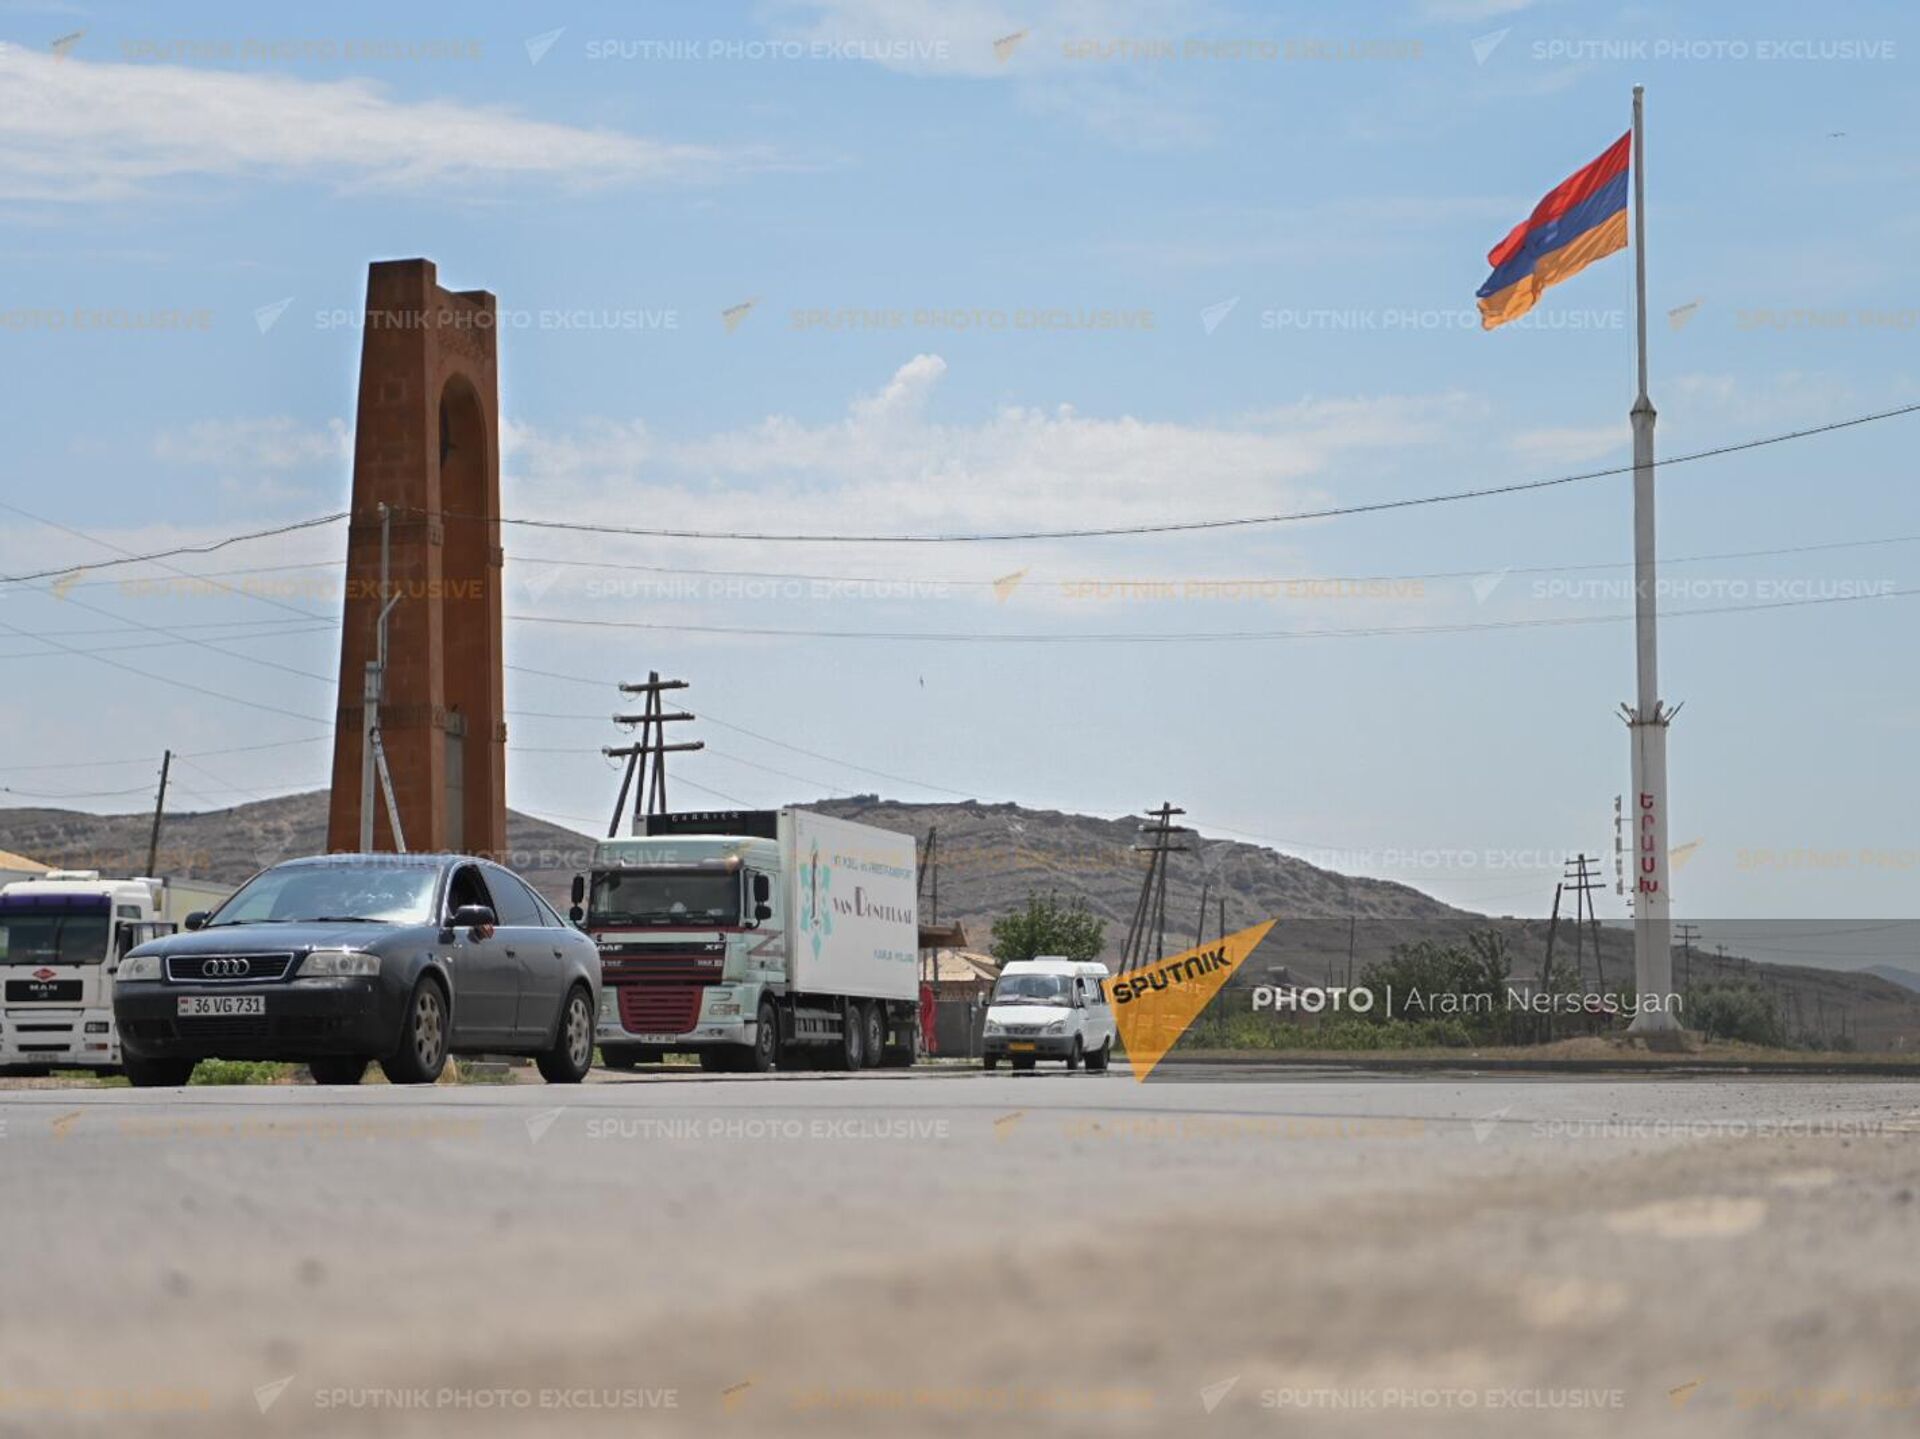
point(214, 1006)
point(1018, 1048)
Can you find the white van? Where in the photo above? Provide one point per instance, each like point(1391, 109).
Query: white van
point(1050, 1007)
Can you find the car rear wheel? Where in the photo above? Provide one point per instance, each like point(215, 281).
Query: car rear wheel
point(873, 1032)
point(1024, 1062)
point(1098, 1061)
point(422, 1052)
point(572, 1053)
point(991, 1061)
point(335, 1070)
point(1073, 1055)
point(157, 1073)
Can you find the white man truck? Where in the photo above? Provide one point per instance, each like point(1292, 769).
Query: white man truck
point(755, 939)
point(62, 937)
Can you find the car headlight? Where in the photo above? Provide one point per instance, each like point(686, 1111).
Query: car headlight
point(1059, 1026)
point(140, 966)
point(994, 1026)
point(339, 964)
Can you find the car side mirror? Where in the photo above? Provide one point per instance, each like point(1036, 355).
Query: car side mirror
point(762, 892)
point(763, 911)
point(471, 917)
point(198, 919)
point(579, 890)
point(576, 914)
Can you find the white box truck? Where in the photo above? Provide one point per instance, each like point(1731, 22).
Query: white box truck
point(756, 938)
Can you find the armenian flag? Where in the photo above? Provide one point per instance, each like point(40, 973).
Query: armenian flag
point(1583, 219)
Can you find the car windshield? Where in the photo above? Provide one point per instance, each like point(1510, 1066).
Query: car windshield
point(53, 937)
point(293, 893)
point(1032, 989)
point(707, 897)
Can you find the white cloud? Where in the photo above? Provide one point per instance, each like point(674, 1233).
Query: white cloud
point(889, 464)
point(1113, 93)
point(77, 130)
point(276, 444)
point(1471, 9)
point(1570, 444)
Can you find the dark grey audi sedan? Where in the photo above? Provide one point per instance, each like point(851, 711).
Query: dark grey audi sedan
point(344, 959)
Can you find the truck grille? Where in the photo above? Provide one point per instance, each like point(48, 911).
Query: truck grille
point(251, 968)
point(659, 1008)
point(669, 969)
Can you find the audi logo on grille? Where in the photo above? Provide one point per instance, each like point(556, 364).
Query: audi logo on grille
point(225, 968)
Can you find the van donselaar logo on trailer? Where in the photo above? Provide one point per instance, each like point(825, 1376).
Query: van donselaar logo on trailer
point(1154, 1005)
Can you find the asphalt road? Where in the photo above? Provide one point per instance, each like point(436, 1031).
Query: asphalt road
point(965, 1253)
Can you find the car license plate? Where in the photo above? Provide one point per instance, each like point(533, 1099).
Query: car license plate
point(1022, 1048)
point(213, 1006)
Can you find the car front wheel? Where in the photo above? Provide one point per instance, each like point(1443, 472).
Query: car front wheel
point(422, 1052)
point(572, 1053)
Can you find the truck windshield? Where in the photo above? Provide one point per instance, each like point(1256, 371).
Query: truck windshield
point(1032, 989)
point(665, 897)
point(50, 937)
point(386, 894)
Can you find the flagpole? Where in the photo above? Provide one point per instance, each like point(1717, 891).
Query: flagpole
point(1647, 721)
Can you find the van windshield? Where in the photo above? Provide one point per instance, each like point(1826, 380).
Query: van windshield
point(1033, 989)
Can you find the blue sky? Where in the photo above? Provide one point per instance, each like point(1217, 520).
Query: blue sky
point(1138, 263)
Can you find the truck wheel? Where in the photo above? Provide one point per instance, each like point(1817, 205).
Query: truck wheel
point(764, 1057)
point(422, 1052)
point(1098, 1061)
point(157, 1073)
point(572, 1053)
point(336, 1069)
point(851, 1051)
point(1073, 1055)
point(873, 1032)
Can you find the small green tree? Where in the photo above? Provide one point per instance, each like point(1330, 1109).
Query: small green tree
point(1049, 925)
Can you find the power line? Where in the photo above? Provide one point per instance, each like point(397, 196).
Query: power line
point(168, 679)
point(970, 582)
point(130, 558)
point(1168, 527)
point(1191, 636)
point(1183, 526)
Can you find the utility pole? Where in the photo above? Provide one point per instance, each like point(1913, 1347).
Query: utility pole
point(1647, 719)
point(647, 757)
point(1200, 920)
point(373, 754)
point(1583, 881)
point(930, 873)
point(1150, 910)
point(1546, 965)
point(159, 806)
point(1689, 932)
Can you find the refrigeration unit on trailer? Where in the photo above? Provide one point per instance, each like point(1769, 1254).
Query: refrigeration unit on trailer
point(756, 937)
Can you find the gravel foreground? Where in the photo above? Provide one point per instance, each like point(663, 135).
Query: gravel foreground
point(966, 1254)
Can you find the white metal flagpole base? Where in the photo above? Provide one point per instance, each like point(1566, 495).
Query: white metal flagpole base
point(1652, 900)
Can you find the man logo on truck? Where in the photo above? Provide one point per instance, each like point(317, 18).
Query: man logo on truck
point(816, 907)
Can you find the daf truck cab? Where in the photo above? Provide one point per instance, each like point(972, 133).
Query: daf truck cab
point(755, 939)
point(62, 938)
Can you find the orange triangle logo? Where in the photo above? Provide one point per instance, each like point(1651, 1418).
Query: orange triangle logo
point(1153, 1005)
